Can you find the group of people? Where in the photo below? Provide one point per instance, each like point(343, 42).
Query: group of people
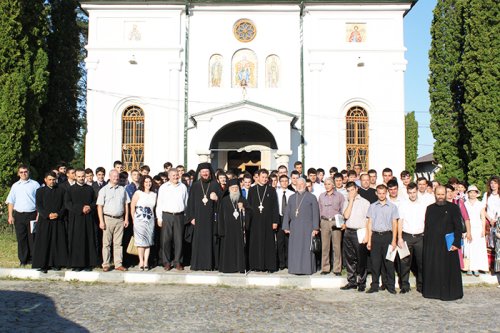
point(239, 222)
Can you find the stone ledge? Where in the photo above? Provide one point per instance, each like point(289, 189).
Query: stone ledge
point(252, 279)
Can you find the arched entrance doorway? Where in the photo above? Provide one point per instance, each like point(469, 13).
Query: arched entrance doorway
point(243, 145)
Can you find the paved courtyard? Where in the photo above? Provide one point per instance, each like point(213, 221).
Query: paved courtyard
point(53, 306)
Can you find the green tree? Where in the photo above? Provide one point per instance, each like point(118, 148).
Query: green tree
point(482, 88)
point(60, 122)
point(411, 142)
point(446, 90)
point(23, 83)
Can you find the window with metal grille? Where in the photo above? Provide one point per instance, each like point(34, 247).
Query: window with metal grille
point(357, 137)
point(132, 138)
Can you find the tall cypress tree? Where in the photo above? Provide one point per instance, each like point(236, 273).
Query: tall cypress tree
point(482, 88)
point(60, 121)
point(23, 83)
point(411, 142)
point(446, 90)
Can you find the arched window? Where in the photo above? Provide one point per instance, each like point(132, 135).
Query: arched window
point(357, 137)
point(132, 138)
point(272, 71)
point(215, 71)
point(244, 69)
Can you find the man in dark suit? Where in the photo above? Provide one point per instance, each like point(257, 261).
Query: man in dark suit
point(100, 183)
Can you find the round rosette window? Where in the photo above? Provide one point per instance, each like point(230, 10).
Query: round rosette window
point(244, 30)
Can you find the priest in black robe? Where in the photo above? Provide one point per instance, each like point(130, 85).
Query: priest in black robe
point(80, 202)
point(50, 249)
point(263, 201)
point(441, 274)
point(232, 222)
point(201, 209)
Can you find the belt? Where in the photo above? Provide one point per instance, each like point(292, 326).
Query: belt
point(382, 232)
point(115, 217)
point(352, 229)
point(174, 214)
point(413, 235)
point(329, 219)
point(15, 211)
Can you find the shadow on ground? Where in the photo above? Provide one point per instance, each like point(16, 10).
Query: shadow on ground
point(31, 312)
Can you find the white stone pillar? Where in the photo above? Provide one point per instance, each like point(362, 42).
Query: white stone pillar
point(282, 157)
point(204, 156)
point(175, 115)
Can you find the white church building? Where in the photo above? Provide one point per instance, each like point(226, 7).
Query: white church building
point(246, 84)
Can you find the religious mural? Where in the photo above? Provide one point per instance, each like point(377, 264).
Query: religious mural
point(356, 32)
point(215, 71)
point(244, 69)
point(272, 71)
point(133, 31)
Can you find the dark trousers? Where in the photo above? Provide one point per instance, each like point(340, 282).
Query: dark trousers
point(24, 236)
point(282, 244)
point(172, 230)
point(416, 247)
point(380, 243)
point(354, 258)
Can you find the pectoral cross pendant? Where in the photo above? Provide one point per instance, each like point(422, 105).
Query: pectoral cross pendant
point(296, 212)
point(204, 200)
point(261, 208)
point(236, 214)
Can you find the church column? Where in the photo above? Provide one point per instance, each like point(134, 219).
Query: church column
point(90, 148)
point(174, 123)
point(204, 156)
point(283, 157)
point(314, 110)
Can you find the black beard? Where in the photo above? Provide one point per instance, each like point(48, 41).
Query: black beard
point(205, 180)
point(441, 202)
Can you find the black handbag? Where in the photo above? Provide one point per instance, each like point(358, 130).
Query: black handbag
point(315, 244)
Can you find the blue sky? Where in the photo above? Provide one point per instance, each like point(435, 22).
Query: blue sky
point(417, 24)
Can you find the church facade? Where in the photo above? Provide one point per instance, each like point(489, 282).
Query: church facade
point(246, 84)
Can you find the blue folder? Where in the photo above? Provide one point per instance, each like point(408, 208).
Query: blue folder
point(450, 238)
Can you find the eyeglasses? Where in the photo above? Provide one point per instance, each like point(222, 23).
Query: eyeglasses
point(23, 172)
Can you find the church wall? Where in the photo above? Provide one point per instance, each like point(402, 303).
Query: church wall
point(153, 40)
point(340, 74)
point(152, 36)
point(211, 32)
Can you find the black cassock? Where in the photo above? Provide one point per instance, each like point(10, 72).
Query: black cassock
point(81, 227)
point(51, 249)
point(204, 231)
point(441, 274)
point(262, 243)
point(230, 230)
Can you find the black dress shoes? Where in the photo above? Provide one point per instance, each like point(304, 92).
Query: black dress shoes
point(325, 273)
point(392, 291)
point(382, 287)
point(338, 274)
point(348, 286)
point(404, 291)
point(372, 290)
point(361, 288)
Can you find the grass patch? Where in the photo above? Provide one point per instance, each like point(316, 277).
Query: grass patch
point(8, 248)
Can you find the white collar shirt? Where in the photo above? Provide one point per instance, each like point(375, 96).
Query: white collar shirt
point(171, 198)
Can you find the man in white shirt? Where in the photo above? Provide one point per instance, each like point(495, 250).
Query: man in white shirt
point(411, 230)
point(170, 207)
point(393, 189)
point(423, 196)
point(317, 188)
point(339, 185)
point(405, 178)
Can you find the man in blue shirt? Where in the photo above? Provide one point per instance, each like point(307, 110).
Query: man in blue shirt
point(382, 229)
point(22, 209)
